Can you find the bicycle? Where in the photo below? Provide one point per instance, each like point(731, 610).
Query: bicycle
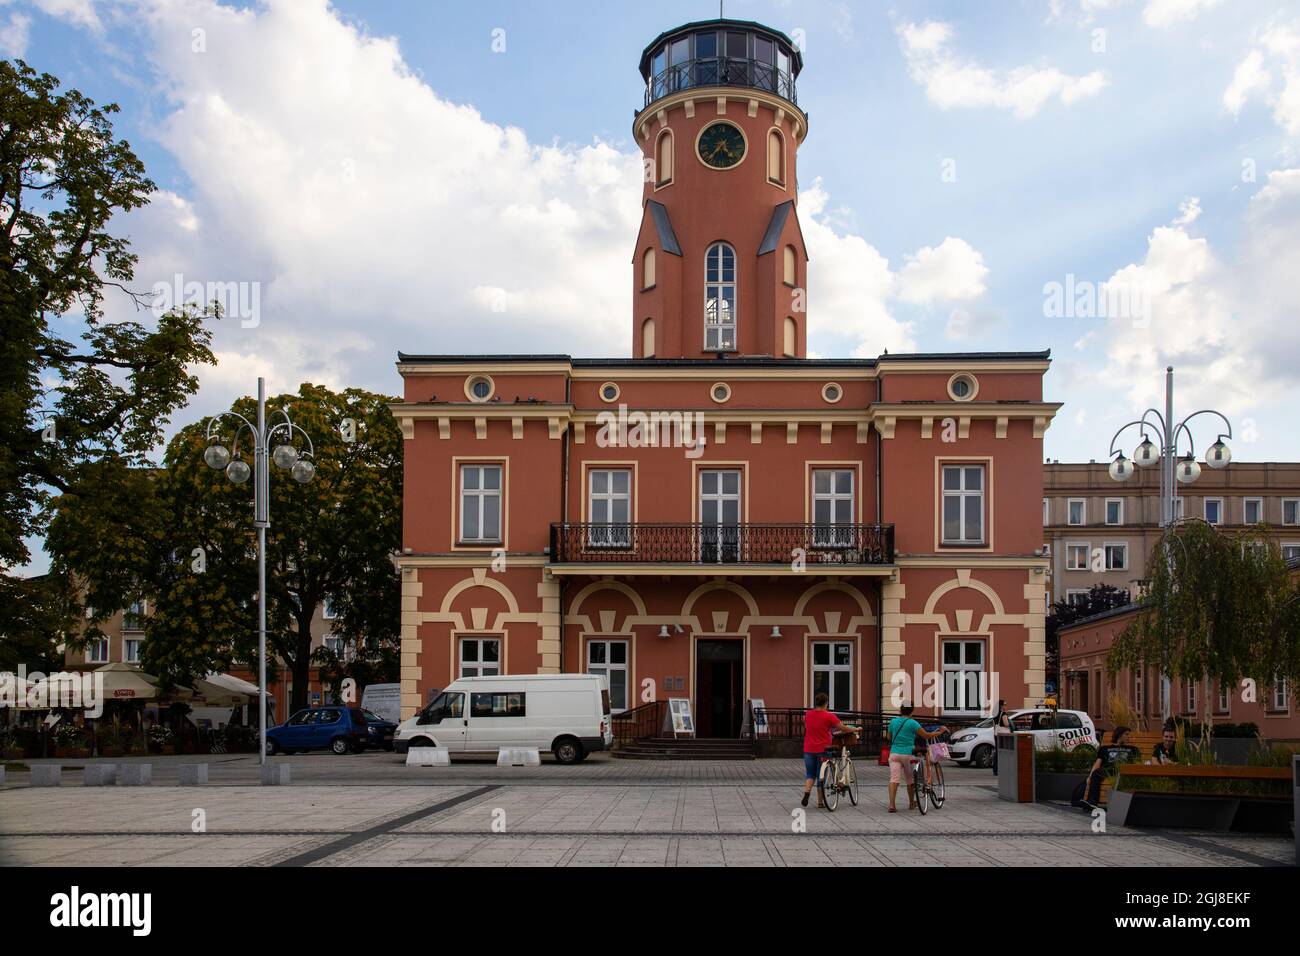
point(837, 775)
point(927, 782)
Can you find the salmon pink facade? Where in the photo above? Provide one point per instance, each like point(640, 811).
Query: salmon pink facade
point(721, 518)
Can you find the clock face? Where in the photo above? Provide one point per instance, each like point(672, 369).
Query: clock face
point(721, 146)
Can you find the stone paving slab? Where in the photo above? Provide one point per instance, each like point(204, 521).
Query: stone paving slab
point(558, 824)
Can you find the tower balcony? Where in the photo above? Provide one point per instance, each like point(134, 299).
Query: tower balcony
point(655, 548)
point(721, 71)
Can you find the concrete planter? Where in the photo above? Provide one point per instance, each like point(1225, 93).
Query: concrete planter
point(1057, 786)
point(1200, 812)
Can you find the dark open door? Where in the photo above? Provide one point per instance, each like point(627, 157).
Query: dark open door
point(719, 688)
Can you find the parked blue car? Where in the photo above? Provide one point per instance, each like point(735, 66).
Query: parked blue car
point(340, 729)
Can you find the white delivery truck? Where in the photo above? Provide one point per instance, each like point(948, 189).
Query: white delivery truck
point(567, 714)
point(384, 700)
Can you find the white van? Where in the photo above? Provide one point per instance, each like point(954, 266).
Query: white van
point(567, 714)
point(385, 700)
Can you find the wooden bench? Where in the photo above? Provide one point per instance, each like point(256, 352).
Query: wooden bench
point(1197, 771)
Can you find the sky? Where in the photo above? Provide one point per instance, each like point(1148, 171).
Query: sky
point(1115, 180)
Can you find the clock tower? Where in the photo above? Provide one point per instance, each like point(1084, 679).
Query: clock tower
point(720, 265)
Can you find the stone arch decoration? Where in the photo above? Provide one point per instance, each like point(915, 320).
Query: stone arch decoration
point(720, 622)
point(584, 621)
point(964, 579)
point(851, 625)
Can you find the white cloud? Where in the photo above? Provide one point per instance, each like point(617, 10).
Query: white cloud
point(1249, 77)
point(1278, 46)
point(853, 291)
point(13, 36)
point(964, 324)
point(1225, 324)
point(951, 82)
point(1165, 13)
point(950, 272)
point(1189, 210)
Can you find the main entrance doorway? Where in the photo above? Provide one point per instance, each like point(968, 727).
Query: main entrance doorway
point(719, 687)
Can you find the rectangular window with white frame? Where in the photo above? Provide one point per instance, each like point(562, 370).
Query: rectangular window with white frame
point(609, 659)
point(133, 617)
point(1191, 700)
point(1139, 690)
point(1114, 511)
point(1291, 510)
point(1252, 510)
point(131, 650)
point(1116, 556)
point(1222, 701)
point(963, 504)
point(963, 670)
point(833, 499)
point(832, 672)
point(1076, 555)
point(1279, 695)
point(1214, 511)
point(1076, 595)
point(480, 504)
point(480, 656)
point(609, 508)
point(1047, 512)
point(1290, 550)
point(1076, 511)
point(97, 651)
point(1179, 508)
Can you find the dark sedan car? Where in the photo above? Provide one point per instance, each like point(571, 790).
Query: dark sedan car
point(381, 730)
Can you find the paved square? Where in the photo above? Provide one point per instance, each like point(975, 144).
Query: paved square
point(371, 810)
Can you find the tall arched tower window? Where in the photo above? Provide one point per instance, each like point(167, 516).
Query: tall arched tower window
point(791, 337)
point(791, 274)
point(648, 269)
point(664, 159)
point(720, 298)
point(648, 338)
point(776, 157)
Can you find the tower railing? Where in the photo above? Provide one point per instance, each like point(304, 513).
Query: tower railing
point(721, 71)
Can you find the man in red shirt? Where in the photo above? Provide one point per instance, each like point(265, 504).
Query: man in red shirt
point(818, 725)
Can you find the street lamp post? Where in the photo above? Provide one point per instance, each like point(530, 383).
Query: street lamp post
point(1173, 468)
point(285, 455)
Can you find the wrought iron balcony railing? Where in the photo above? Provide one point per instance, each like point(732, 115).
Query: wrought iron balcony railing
point(700, 544)
point(721, 71)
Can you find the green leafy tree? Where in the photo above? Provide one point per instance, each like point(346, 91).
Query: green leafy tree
point(1217, 606)
point(81, 399)
point(195, 558)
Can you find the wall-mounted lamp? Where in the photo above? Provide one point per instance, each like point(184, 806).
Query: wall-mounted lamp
point(776, 631)
point(663, 630)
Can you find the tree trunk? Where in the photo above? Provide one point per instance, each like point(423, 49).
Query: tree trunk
point(301, 665)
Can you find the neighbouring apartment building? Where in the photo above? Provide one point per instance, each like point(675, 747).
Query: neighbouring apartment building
point(1099, 531)
point(1085, 685)
point(719, 517)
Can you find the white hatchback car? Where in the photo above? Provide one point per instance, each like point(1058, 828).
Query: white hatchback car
point(1069, 728)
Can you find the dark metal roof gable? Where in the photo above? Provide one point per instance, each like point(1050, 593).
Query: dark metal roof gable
point(664, 227)
point(774, 226)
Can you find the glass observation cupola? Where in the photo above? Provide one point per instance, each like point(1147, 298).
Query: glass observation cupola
point(735, 53)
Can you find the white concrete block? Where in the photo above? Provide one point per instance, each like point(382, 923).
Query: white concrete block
point(428, 757)
point(135, 775)
point(275, 775)
point(46, 775)
point(519, 757)
point(194, 774)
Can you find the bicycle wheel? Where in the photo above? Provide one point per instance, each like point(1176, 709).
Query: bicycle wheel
point(919, 788)
point(936, 785)
point(850, 781)
point(826, 783)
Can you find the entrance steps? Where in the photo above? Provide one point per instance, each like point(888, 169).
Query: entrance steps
point(686, 748)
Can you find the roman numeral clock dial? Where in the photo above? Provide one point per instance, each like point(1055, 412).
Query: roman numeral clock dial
point(721, 146)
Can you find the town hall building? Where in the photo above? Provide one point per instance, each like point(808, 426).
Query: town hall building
point(720, 518)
